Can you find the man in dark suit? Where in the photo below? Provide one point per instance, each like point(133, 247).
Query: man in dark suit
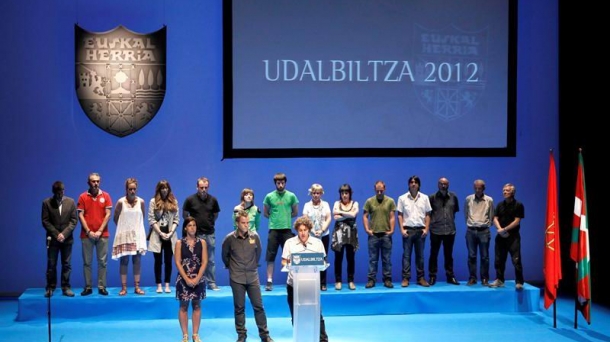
point(59, 220)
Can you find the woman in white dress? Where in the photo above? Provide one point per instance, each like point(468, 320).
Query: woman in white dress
point(130, 238)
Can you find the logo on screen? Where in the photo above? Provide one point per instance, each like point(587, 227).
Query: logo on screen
point(120, 77)
point(450, 70)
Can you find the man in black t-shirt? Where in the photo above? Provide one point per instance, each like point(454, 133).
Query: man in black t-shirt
point(507, 220)
point(204, 208)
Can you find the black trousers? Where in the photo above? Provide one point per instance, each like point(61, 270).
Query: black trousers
point(54, 250)
point(253, 291)
point(166, 256)
point(512, 245)
point(435, 246)
point(290, 297)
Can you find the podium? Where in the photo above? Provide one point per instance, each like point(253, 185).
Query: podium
point(305, 268)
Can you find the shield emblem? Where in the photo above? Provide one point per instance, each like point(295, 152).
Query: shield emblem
point(450, 71)
point(120, 77)
point(296, 259)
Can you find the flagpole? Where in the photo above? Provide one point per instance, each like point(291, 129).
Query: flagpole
point(576, 300)
point(576, 269)
point(555, 313)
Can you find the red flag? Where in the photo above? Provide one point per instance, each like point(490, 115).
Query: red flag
point(579, 248)
point(552, 253)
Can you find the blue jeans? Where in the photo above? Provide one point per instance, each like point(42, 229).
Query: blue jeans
point(478, 239)
point(413, 239)
point(383, 244)
point(210, 271)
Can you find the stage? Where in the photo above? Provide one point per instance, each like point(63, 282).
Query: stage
point(440, 298)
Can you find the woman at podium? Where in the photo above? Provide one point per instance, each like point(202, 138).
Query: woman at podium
point(301, 243)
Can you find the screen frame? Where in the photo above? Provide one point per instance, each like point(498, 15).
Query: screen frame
point(229, 152)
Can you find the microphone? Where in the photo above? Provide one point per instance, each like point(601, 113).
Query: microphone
point(48, 241)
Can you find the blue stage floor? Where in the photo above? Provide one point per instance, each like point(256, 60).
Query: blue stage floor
point(466, 323)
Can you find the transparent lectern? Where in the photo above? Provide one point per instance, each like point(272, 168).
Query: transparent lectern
point(305, 268)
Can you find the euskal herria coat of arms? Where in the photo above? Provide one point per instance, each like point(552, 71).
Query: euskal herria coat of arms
point(120, 77)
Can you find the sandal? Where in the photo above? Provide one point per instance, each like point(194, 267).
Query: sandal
point(123, 290)
point(196, 338)
point(138, 290)
point(185, 338)
point(159, 288)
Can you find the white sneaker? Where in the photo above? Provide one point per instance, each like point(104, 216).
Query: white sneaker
point(497, 283)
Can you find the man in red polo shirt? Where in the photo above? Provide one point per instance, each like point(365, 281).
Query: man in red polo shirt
point(94, 209)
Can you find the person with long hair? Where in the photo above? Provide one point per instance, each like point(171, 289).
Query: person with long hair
point(345, 235)
point(163, 219)
point(247, 204)
point(130, 238)
point(191, 258)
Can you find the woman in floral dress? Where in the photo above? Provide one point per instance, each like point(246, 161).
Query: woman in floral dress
point(191, 257)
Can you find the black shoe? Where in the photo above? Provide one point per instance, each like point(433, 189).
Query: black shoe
point(102, 291)
point(269, 286)
point(67, 292)
point(369, 284)
point(473, 281)
point(48, 293)
point(267, 339)
point(485, 282)
point(432, 280)
point(87, 291)
point(451, 280)
point(388, 283)
point(241, 338)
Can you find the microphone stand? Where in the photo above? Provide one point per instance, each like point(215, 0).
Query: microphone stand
point(49, 297)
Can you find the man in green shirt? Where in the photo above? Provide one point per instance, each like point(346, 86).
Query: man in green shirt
point(280, 206)
point(379, 221)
